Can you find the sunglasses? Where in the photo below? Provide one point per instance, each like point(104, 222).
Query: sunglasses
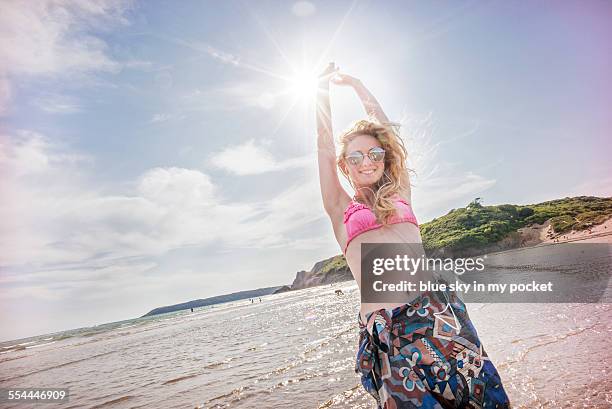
point(375, 154)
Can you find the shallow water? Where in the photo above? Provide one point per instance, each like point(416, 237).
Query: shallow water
point(297, 349)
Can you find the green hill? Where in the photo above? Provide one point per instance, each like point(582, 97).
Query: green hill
point(477, 226)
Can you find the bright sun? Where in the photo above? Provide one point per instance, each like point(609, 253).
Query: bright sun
point(303, 84)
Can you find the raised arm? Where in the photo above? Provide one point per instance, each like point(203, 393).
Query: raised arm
point(370, 104)
point(334, 195)
point(374, 110)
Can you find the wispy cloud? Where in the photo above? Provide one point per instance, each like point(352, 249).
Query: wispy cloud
point(56, 38)
point(58, 104)
point(51, 37)
point(250, 158)
point(222, 56)
point(139, 64)
point(165, 116)
point(231, 97)
point(438, 186)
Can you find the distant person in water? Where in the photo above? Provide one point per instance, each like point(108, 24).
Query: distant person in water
point(407, 357)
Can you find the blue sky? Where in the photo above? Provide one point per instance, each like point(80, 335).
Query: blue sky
point(157, 152)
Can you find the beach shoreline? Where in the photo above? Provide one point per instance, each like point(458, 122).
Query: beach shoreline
point(311, 364)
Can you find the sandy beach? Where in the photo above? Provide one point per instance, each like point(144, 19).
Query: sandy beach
point(544, 234)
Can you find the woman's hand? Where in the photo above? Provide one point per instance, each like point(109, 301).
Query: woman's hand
point(344, 80)
point(328, 73)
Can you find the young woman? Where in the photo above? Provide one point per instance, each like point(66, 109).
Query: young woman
point(408, 357)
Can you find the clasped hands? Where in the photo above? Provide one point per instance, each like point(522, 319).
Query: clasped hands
point(332, 74)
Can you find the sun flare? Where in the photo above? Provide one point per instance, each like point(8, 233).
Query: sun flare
point(303, 84)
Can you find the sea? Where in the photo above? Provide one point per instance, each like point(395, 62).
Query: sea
point(297, 349)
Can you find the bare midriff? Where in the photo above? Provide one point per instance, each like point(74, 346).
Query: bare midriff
point(394, 233)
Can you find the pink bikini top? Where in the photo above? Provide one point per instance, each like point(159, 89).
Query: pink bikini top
point(359, 218)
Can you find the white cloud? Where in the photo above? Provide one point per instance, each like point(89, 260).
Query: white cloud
point(56, 38)
point(249, 158)
point(303, 8)
point(38, 184)
point(50, 37)
point(176, 187)
point(54, 216)
point(25, 155)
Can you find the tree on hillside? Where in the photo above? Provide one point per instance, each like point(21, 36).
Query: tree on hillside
point(475, 203)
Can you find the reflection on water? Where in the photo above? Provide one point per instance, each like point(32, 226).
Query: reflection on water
point(297, 349)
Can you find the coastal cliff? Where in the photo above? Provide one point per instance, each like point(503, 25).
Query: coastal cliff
point(328, 271)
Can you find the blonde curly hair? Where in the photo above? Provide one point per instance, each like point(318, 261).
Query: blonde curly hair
point(395, 177)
